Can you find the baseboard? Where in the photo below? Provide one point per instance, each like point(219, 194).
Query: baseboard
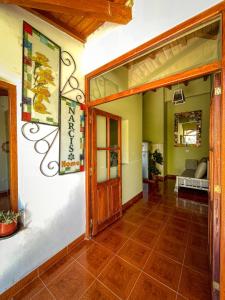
point(132, 201)
point(170, 176)
point(4, 193)
point(158, 178)
point(8, 294)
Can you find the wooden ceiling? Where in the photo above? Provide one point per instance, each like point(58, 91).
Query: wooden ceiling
point(78, 18)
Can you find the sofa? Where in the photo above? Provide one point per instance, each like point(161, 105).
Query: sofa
point(195, 175)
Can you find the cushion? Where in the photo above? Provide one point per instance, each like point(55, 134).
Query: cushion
point(191, 164)
point(205, 159)
point(201, 170)
point(188, 173)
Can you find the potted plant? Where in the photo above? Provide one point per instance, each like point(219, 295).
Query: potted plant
point(154, 159)
point(8, 222)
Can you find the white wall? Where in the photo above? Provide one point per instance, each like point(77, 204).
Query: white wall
point(55, 207)
point(150, 18)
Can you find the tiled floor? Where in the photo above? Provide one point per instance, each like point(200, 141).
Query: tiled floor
point(157, 251)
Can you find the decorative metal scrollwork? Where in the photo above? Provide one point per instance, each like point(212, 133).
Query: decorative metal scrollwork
point(42, 145)
point(70, 88)
point(32, 131)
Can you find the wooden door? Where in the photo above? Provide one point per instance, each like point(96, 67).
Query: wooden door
point(106, 170)
point(215, 183)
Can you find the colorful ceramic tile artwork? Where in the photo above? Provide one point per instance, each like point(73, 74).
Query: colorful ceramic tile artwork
point(71, 137)
point(41, 78)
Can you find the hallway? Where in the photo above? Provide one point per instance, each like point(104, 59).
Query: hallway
point(156, 251)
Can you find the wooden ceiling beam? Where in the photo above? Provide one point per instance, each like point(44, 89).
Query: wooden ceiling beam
point(58, 24)
point(103, 10)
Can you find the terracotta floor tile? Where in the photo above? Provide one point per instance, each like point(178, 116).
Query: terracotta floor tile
point(158, 216)
point(148, 288)
point(43, 295)
point(165, 209)
point(164, 269)
point(134, 253)
point(120, 277)
point(199, 229)
point(170, 248)
point(133, 218)
point(152, 225)
point(124, 228)
point(80, 248)
point(111, 240)
point(198, 242)
point(145, 237)
point(30, 290)
point(143, 211)
point(199, 219)
point(175, 234)
point(179, 223)
point(182, 214)
point(196, 260)
point(97, 291)
point(194, 285)
point(72, 283)
point(95, 258)
point(179, 297)
point(56, 269)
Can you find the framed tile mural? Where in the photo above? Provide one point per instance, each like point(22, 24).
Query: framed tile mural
point(41, 78)
point(71, 136)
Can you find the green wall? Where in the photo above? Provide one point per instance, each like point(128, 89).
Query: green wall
point(158, 122)
point(130, 110)
point(153, 116)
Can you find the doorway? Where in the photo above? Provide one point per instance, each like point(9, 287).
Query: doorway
point(8, 151)
point(106, 166)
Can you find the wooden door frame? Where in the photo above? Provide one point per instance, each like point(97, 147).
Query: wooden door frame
point(211, 13)
point(94, 183)
point(13, 170)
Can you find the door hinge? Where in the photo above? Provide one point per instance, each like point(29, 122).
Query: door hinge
point(218, 91)
point(216, 285)
point(217, 189)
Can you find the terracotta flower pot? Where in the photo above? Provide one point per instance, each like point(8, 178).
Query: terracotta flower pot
point(7, 229)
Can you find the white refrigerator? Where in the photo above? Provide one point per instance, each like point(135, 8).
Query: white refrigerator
point(145, 160)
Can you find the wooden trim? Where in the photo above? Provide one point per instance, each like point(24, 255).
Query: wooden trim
point(173, 79)
point(3, 92)
point(132, 201)
point(160, 39)
point(222, 208)
point(18, 286)
point(13, 172)
point(88, 126)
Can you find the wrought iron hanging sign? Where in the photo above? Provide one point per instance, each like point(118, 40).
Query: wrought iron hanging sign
point(71, 137)
point(40, 99)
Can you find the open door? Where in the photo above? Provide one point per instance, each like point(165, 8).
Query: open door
point(215, 183)
point(106, 197)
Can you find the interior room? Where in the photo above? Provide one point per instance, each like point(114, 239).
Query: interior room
point(112, 138)
point(4, 157)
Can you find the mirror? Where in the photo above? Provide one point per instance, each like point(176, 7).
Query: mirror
point(4, 152)
point(187, 129)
